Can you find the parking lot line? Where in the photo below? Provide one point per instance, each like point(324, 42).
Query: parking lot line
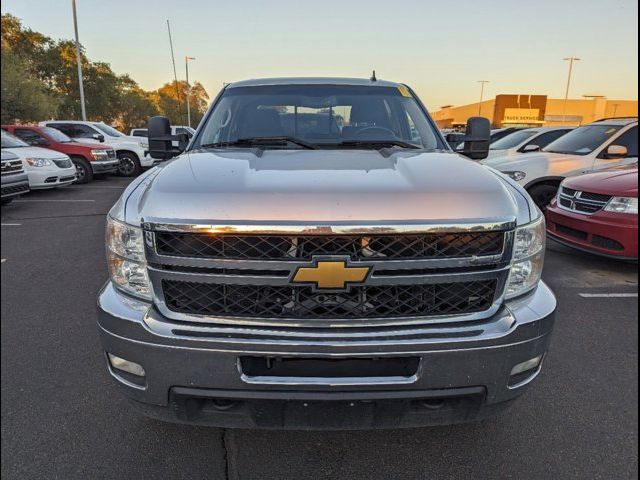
point(47, 200)
point(3, 260)
point(609, 295)
point(10, 224)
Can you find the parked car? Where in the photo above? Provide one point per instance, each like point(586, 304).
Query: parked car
point(14, 179)
point(526, 141)
point(45, 168)
point(598, 213)
point(175, 130)
point(596, 146)
point(131, 151)
point(356, 277)
point(498, 133)
point(89, 159)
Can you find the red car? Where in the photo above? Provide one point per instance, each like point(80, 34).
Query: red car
point(598, 213)
point(90, 159)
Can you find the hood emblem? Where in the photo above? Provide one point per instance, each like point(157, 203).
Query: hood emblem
point(331, 274)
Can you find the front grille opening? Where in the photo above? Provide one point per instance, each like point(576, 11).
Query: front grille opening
point(607, 243)
point(265, 301)
point(357, 247)
point(572, 232)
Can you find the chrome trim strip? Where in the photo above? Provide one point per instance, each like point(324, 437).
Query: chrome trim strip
point(335, 228)
point(328, 381)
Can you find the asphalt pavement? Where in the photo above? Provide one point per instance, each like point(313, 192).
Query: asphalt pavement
point(63, 418)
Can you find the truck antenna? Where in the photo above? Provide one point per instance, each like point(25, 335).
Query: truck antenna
point(373, 77)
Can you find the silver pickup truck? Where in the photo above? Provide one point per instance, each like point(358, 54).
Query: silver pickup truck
point(319, 258)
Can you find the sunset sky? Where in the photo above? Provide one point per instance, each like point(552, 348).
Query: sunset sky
point(439, 48)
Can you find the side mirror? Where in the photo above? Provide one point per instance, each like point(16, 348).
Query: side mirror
point(159, 131)
point(616, 151)
point(531, 148)
point(99, 137)
point(476, 138)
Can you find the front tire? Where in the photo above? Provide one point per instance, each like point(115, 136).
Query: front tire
point(83, 169)
point(543, 194)
point(129, 165)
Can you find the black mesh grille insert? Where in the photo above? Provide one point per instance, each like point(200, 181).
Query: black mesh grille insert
point(442, 245)
point(598, 197)
point(608, 243)
point(260, 301)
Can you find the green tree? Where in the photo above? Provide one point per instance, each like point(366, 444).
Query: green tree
point(171, 102)
point(136, 105)
point(24, 98)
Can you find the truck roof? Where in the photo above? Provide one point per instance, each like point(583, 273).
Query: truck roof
point(313, 81)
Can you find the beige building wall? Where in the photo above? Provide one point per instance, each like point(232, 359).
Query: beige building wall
point(578, 112)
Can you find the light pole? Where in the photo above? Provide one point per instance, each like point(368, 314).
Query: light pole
point(482, 83)
point(78, 59)
point(186, 68)
point(566, 93)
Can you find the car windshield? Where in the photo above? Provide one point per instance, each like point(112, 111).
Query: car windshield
point(56, 135)
point(9, 141)
point(318, 116)
point(512, 140)
point(112, 132)
point(583, 140)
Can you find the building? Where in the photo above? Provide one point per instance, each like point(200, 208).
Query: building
point(536, 110)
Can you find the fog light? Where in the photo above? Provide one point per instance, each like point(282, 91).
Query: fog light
point(126, 366)
point(526, 366)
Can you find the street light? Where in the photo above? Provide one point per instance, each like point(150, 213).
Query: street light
point(186, 67)
point(78, 60)
point(482, 83)
point(566, 93)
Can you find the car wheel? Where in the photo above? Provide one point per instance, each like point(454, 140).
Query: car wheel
point(542, 195)
point(83, 170)
point(129, 165)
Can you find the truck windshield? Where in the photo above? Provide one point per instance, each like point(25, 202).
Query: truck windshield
point(9, 141)
point(106, 129)
point(318, 116)
point(583, 140)
point(55, 134)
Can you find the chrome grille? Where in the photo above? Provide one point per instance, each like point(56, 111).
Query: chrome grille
point(266, 301)
point(12, 167)
point(356, 247)
point(435, 276)
point(582, 202)
point(62, 162)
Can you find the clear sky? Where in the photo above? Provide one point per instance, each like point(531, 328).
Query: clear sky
point(440, 48)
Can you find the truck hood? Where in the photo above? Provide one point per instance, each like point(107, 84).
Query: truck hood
point(320, 186)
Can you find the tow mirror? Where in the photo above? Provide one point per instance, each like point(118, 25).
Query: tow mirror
point(99, 137)
point(159, 131)
point(616, 151)
point(531, 148)
point(475, 141)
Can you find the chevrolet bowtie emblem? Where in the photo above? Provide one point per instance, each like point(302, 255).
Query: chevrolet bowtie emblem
point(331, 274)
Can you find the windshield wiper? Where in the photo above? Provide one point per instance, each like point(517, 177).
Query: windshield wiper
point(378, 144)
point(262, 142)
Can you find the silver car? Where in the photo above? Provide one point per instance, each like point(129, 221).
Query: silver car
point(319, 257)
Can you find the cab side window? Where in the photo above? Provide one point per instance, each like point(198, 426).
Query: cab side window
point(30, 136)
point(629, 139)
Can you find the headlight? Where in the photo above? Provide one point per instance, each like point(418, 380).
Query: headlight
point(623, 205)
point(516, 175)
point(126, 260)
point(528, 257)
point(38, 162)
point(144, 145)
point(99, 154)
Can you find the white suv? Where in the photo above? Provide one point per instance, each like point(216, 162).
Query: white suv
point(602, 144)
point(132, 151)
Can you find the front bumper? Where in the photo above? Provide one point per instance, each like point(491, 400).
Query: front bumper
point(193, 372)
point(14, 185)
point(50, 177)
point(106, 166)
point(604, 233)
